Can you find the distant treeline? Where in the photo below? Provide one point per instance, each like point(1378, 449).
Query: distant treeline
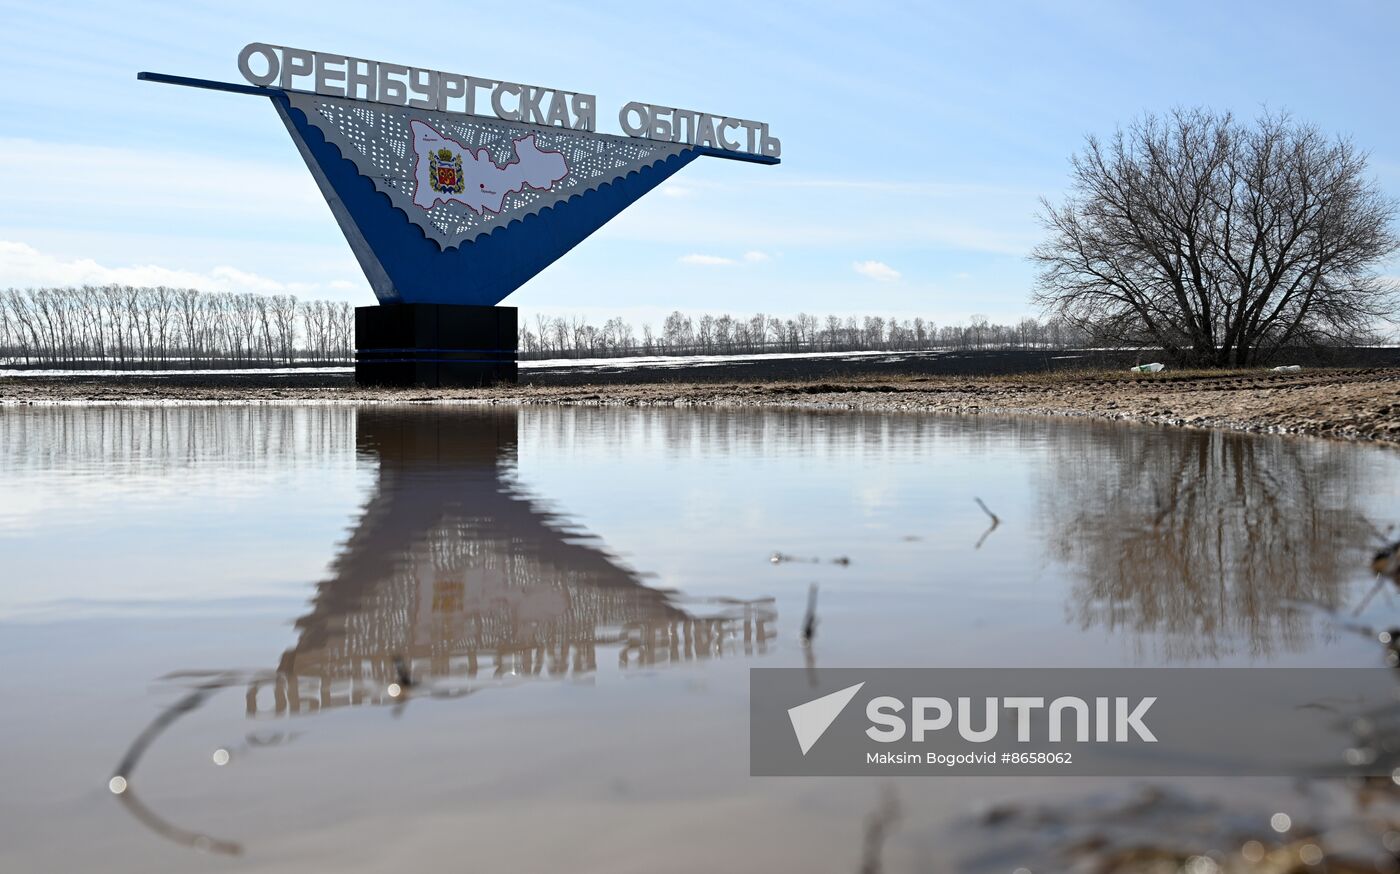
point(124, 326)
point(681, 334)
point(130, 327)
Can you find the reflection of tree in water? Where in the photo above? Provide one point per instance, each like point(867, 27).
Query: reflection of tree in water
point(1203, 538)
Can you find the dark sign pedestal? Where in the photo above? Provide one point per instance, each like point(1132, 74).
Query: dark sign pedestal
point(434, 345)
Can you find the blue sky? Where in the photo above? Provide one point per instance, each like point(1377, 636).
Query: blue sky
point(917, 138)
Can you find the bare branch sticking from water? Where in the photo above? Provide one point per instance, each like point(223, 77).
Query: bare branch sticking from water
point(121, 778)
point(171, 832)
point(1380, 581)
point(809, 621)
point(878, 826)
point(995, 522)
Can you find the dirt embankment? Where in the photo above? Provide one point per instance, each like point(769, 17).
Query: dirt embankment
point(1348, 403)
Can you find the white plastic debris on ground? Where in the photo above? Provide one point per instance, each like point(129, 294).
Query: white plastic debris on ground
point(1154, 367)
point(1286, 368)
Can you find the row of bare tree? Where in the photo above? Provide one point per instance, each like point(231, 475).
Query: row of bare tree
point(682, 334)
point(126, 326)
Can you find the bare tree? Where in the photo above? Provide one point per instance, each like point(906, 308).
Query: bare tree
point(677, 331)
point(8, 346)
point(758, 332)
point(313, 321)
point(284, 312)
point(187, 305)
point(133, 302)
point(262, 304)
point(542, 331)
point(705, 333)
point(213, 320)
point(21, 317)
point(1219, 241)
point(343, 319)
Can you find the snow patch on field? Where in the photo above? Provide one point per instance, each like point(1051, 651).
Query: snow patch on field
point(678, 361)
point(252, 371)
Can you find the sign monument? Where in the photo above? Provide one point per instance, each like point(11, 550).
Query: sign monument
point(455, 190)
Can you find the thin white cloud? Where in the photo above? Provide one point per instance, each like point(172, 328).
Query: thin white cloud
point(753, 256)
point(696, 260)
point(902, 187)
point(23, 266)
point(782, 223)
point(877, 270)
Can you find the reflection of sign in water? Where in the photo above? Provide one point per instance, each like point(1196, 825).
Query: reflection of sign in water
point(445, 170)
point(454, 576)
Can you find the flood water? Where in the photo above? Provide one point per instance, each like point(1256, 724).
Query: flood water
point(572, 599)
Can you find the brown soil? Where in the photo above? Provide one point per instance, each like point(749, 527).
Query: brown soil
point(1348, 403)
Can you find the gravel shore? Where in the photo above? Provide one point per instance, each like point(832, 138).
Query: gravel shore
point(1362, 404)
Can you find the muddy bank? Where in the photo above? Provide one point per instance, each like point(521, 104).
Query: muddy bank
point(790, 367)
point(943, 363)
point(1347, 403)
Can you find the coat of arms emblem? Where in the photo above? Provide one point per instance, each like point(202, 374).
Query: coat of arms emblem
point(445, 172)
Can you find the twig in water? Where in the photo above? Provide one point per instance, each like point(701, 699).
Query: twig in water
point(781, 558)
point(1387, 561)
point(398, 690)
point(120, 784)
point(404, 676)
point(878, 825)
point(1386, 565)
point(809, 622)
point(194, 840)
point(1381, 535)
point(995, 522)
point(1380, 582)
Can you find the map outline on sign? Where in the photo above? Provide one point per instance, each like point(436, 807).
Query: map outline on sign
point(538, 169)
